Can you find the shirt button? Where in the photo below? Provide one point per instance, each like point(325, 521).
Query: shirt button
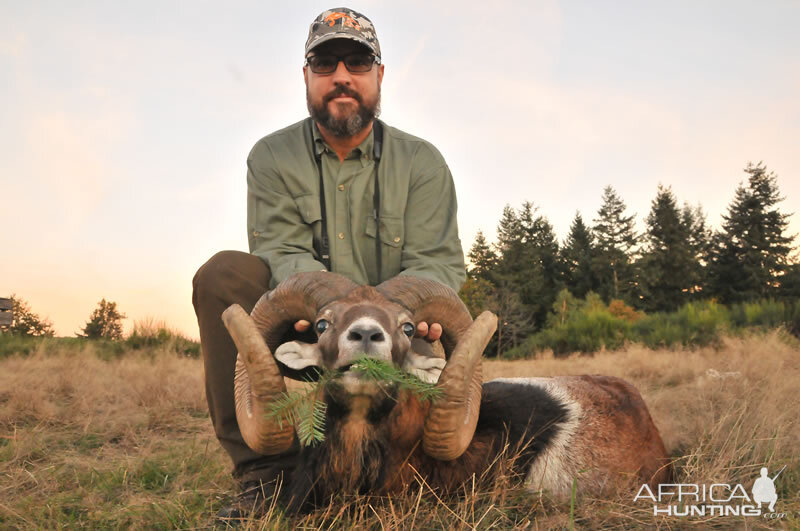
point(341, 235)
point(341, 188)
point(397, 240)
point(256, 233)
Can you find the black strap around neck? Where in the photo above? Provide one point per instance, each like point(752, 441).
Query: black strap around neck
point(325, 247)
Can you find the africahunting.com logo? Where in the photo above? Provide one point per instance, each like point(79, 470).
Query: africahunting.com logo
point(717, 499)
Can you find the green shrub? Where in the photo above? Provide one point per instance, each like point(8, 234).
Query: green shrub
point(768, 313)
point(589, 325)
point(793, 321)
point(105, 349)
point(13, 344)
point(586, 331)
point(694, 324)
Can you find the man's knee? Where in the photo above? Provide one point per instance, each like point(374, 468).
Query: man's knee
point(225, 272)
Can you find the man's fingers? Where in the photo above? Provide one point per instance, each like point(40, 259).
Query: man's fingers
point(435, 332)
point(302, 325)
point(430, 333)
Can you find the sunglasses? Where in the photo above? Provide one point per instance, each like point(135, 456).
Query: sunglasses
point(356, 63)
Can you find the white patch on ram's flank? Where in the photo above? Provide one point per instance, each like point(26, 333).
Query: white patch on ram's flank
point(558, 464)
point(349, 350)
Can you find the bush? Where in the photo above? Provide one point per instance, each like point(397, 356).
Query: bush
point(142, 338)
point(17, 345)
point(618, 308)
point(586, 331)
point(767, 313)
point(150, 334)
point(589, 325)
point(793, 322)
point(694, 324)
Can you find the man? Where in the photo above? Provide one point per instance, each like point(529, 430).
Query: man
point(339, 191)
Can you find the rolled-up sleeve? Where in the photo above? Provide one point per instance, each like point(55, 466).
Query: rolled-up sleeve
point(277, 232)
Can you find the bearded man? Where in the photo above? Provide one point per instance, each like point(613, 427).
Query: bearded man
point(339, 191)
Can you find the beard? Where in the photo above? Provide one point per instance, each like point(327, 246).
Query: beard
point(350, 124)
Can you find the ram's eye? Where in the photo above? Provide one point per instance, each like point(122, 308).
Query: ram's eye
point(408, 329)
point(321, 326)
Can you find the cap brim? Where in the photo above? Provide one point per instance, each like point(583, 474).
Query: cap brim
point(333, 36)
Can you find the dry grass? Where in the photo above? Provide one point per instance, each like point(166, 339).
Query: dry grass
point(86, 442)
point(127, 443)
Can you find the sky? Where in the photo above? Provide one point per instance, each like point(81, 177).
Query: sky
point(125, 126)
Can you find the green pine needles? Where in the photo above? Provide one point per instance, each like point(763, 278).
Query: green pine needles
point(379, 370)
point(307, 413)
point(302, 409)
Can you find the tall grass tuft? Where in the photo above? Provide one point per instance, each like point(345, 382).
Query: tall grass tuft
point(150, 333)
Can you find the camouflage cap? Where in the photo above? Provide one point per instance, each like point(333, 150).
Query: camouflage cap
point(343, 23)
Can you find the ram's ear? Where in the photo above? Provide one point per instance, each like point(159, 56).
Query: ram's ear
point(426, 368)
point(297, 355)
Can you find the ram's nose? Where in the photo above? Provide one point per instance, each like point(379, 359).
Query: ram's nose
point(366, 336)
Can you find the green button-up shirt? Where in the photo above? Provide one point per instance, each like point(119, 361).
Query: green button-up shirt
point(418, 231)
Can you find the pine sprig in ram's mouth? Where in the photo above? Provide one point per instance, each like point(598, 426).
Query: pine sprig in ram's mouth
point(307, 413)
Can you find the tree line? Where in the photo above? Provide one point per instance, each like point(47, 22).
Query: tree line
point(105, 322)
point(526, 273)
point(676, 260)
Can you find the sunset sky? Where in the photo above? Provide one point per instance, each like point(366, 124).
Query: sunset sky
point(125, 127)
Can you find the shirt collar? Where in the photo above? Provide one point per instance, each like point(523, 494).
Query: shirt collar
point(363, 151)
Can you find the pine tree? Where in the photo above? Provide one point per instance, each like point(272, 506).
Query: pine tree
point(751, 252)
point(514, 319)
point(615, 237)
point(516, 277)
point(577, 258)
point(700, 236)
point(105, 322)
point(528, 261)
point(666, 267)
point(482, 258)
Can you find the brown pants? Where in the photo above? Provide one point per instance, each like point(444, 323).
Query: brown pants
point(228, 277)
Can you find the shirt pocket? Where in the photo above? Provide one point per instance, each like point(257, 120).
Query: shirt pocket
point(392, 239)
point(392, 230)
point(308, 206)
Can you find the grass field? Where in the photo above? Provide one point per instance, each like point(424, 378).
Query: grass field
point(88, 440)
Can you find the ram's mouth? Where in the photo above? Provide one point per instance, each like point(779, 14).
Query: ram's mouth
point(354, 383)
point(346, 368)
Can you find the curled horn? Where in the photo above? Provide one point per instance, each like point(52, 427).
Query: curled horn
point(257, 380)
point(432, 302)
point(452, 418)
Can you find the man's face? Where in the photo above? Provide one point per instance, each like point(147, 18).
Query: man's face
point(343, 102)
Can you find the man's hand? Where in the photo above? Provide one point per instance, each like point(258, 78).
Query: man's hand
point(430, 334)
